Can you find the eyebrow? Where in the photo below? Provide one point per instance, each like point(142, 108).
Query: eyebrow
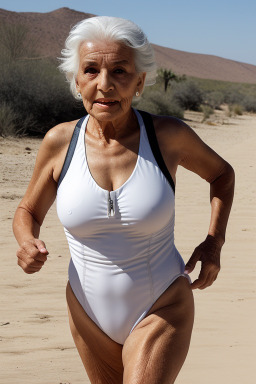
point(90, 63)
point(94, 63)
point(120, 62)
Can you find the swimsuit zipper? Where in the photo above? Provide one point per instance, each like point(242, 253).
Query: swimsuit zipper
point(111, 210)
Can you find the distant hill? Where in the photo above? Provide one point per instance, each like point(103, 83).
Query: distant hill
point(50, 30)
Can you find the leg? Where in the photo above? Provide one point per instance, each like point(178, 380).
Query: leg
point(101, 356)
point(156, 349)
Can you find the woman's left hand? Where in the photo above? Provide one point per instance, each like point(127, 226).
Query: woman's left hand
point(208, 252)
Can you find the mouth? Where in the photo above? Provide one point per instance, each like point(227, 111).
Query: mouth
point(106, 102)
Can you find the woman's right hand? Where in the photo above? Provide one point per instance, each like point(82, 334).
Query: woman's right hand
point(32, 255)
point(39, 197)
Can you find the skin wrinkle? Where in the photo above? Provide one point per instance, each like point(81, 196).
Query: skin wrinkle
point(106, 83)
point(30, 211)
point(222, 170)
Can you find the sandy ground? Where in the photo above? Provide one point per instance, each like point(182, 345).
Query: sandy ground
point(35, 342)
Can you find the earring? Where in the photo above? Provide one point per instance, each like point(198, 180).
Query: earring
point(137, 94)
point(79, 95)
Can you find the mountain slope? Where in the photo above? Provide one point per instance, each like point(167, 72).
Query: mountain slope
point(49, 30)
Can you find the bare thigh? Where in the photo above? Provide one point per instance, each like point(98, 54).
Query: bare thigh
point(156, 349)
point(101, 356)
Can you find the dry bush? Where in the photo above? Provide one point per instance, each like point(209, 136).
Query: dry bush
point(159, 103)
point(207, 111)
point(188, 95)
point(38, 94)
point(7, 120)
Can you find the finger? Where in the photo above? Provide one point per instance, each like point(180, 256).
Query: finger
point(189, 267)
point(41, 246)
point(31, 262)
point(31, 250)
point(203, 277)
point(35, 261)
point(206, 285)
point(41, 257)
point(26, 253)
point(206, 278)
point(26, 268)
point(197, 284)
point(209, 281)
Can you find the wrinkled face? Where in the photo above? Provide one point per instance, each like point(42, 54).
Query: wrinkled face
point(107, 79)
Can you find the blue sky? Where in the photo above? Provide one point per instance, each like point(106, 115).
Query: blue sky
point(225, 28)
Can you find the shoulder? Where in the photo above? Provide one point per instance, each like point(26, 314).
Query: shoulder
point(169, 124)
point(54, 147)
point(171, 130)
point(175, 135)
point(58, 137)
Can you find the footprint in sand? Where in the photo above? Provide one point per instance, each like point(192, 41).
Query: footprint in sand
point(44, 318)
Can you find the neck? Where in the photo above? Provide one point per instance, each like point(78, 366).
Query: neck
point(107, 131)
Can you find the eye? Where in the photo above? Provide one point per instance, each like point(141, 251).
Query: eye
point(119, 71)
point(90, 71)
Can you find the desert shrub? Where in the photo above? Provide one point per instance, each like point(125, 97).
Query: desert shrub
point(15, 41)
point(7, 120)
point(159, 103)
point(233, 95)
point(33, 93)
point(207, 111)
point(214, 99)
point(235, 109)
point(238, 109)
point(216, 92)
point(188, 95)
point(38, 94)
point(249, 103)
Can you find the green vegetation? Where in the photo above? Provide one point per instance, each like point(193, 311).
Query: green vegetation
point(7, 121)
point(235, 109)
point(13, 41)
point(167, 76)
point(199, 95)
point(34, 95)
point(207, 111)
point(159, 103)
point(223, 92)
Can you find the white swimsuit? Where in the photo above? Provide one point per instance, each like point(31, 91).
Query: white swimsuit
point(121, 242)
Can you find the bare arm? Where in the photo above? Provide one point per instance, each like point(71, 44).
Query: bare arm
point(221, 196)
point(208, 252)
point(193, 154)
point(31, 211)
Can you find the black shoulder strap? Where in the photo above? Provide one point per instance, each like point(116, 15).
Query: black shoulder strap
point(148, 122)
point(71, 150)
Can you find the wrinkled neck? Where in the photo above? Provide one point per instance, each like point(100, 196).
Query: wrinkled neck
point(107, 131)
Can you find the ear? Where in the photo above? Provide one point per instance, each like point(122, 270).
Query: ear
point(77, 86)
point(141, 81)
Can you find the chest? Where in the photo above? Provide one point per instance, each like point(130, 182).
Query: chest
point(111, 166)
point(142, 200)
point(143, 205)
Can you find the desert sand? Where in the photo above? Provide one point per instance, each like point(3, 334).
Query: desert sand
point(35, 342)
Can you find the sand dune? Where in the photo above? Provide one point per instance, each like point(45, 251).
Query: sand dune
point(35, 341)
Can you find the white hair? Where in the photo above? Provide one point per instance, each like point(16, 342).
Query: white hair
point(113, 29)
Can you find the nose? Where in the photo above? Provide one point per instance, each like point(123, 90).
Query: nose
point(104, 81)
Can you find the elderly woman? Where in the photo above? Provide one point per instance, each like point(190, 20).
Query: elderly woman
point(113, 172)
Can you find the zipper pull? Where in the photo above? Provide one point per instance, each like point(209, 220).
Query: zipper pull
point(111, 210)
